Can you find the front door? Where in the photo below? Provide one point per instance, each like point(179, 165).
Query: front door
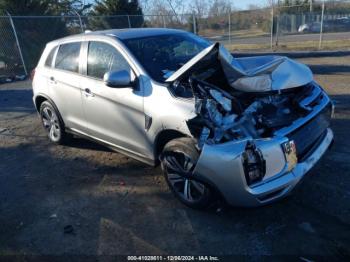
point(113, 115)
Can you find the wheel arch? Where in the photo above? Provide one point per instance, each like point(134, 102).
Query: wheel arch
point(40, 98)
point(162, 138)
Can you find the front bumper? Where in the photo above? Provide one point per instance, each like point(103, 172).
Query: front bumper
point(221, 166)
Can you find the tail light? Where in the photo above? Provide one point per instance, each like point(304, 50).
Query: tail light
point(32, 74)
point(254, 164)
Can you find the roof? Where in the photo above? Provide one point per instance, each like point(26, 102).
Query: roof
point(137, 32)
point(124, 34)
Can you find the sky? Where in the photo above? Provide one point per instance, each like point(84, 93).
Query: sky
point(239, 4)
point(243, 4)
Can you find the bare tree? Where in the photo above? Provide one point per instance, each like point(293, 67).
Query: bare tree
point(166, 12)
point(253, 7)
point(270, 3)
point(175, 7)
point(220, 7)
point(200, 7)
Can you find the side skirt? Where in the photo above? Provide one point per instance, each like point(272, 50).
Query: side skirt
point(113, 147)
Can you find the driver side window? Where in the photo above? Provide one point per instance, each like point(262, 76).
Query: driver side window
point(103, 58)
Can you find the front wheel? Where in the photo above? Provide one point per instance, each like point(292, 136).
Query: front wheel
point(178, 161)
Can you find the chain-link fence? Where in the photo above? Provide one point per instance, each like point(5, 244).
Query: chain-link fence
point(23, 38)
point(298, 27)
point(10, 58)
point(305, 27)
point(238, 30)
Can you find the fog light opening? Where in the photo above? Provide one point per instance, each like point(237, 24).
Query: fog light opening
point(290, 153)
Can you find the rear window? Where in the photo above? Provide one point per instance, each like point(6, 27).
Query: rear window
point(49, 58)
point(68, 57)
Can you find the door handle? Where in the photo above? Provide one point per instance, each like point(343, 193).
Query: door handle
point(52, 80)
point(88, 92)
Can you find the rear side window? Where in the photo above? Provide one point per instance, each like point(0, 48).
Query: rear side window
point(49, 58)
point(68, 57)
point(103, 58)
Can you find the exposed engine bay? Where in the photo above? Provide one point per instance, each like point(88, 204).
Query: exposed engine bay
point(222, 116)
point(237, 99)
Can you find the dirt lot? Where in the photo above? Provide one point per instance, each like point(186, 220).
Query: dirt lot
point(117, 205)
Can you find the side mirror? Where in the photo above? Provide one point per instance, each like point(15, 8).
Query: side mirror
point(117, 79)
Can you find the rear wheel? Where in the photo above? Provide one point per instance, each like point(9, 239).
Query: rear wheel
point(52, 123)
point(178, 161)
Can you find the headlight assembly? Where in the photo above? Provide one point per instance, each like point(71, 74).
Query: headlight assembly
point(254, 164)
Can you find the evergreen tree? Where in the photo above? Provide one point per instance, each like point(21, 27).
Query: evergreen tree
point(120, 8)
point(41, 7)
point(33, 33)
point(25, 7)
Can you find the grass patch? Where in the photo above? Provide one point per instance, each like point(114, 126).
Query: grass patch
point(248, 33)
point(294, 46)
point(253, 32)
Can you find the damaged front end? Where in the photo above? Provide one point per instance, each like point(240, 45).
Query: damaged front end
point(256, 120)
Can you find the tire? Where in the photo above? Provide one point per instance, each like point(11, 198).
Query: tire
point(52, 123)
point(180, 156)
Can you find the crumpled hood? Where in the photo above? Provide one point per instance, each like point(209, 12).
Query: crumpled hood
point(250, 74)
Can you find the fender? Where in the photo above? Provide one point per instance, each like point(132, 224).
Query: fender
point(51, 102)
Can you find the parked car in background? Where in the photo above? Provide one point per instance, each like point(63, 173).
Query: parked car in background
point(340, 24)
point(313, 27)
point(336, 25)
point(247, 130)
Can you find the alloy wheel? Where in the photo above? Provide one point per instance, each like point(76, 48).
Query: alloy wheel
point(51, 123)
point(179, 168)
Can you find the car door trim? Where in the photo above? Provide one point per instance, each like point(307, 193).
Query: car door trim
point(119, 149)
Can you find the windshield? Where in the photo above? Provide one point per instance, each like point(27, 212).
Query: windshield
point(162, 55)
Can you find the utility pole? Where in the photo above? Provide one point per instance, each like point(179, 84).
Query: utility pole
point(277, 22)
point(272, 24)
point(229, 26)
point(17, 42)
point(311, 6)
point(321, 30)
point(80, 21)
point(194, 23)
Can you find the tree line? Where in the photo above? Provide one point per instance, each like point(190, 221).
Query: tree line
point(209, 17)
point(57, 18)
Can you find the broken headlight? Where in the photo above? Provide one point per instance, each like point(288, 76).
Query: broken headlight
point(254, 164)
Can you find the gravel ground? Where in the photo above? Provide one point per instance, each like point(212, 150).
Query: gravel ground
point(116, 205)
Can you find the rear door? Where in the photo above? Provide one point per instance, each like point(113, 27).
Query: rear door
point(64, 85)
point(114, 115)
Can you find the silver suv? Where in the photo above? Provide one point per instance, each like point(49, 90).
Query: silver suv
point(243, 129)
